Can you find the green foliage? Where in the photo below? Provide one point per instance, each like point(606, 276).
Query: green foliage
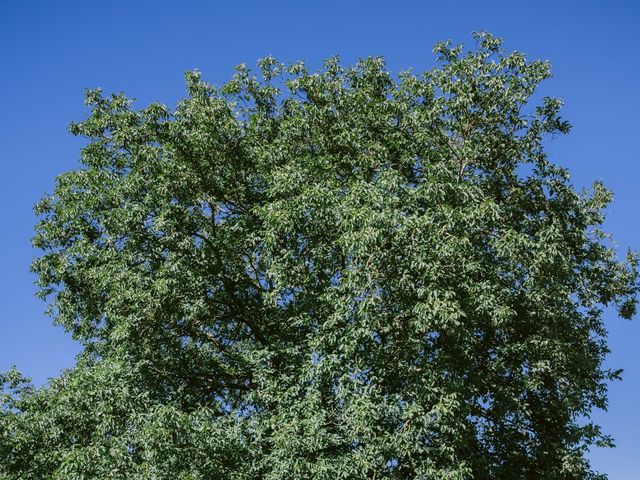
point(338, 274)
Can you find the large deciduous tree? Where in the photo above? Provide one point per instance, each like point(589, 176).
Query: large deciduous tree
point(339, 274)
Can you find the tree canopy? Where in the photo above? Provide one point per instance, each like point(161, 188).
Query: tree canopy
point(331, 274)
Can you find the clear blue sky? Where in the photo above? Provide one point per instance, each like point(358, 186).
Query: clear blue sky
point(51, 51)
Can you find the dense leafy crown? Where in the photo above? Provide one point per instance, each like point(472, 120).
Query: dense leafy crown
point(338, 274)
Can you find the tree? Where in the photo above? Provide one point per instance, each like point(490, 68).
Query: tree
point(333, 275)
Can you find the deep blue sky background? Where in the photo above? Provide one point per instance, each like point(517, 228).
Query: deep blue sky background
point(51, 51)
